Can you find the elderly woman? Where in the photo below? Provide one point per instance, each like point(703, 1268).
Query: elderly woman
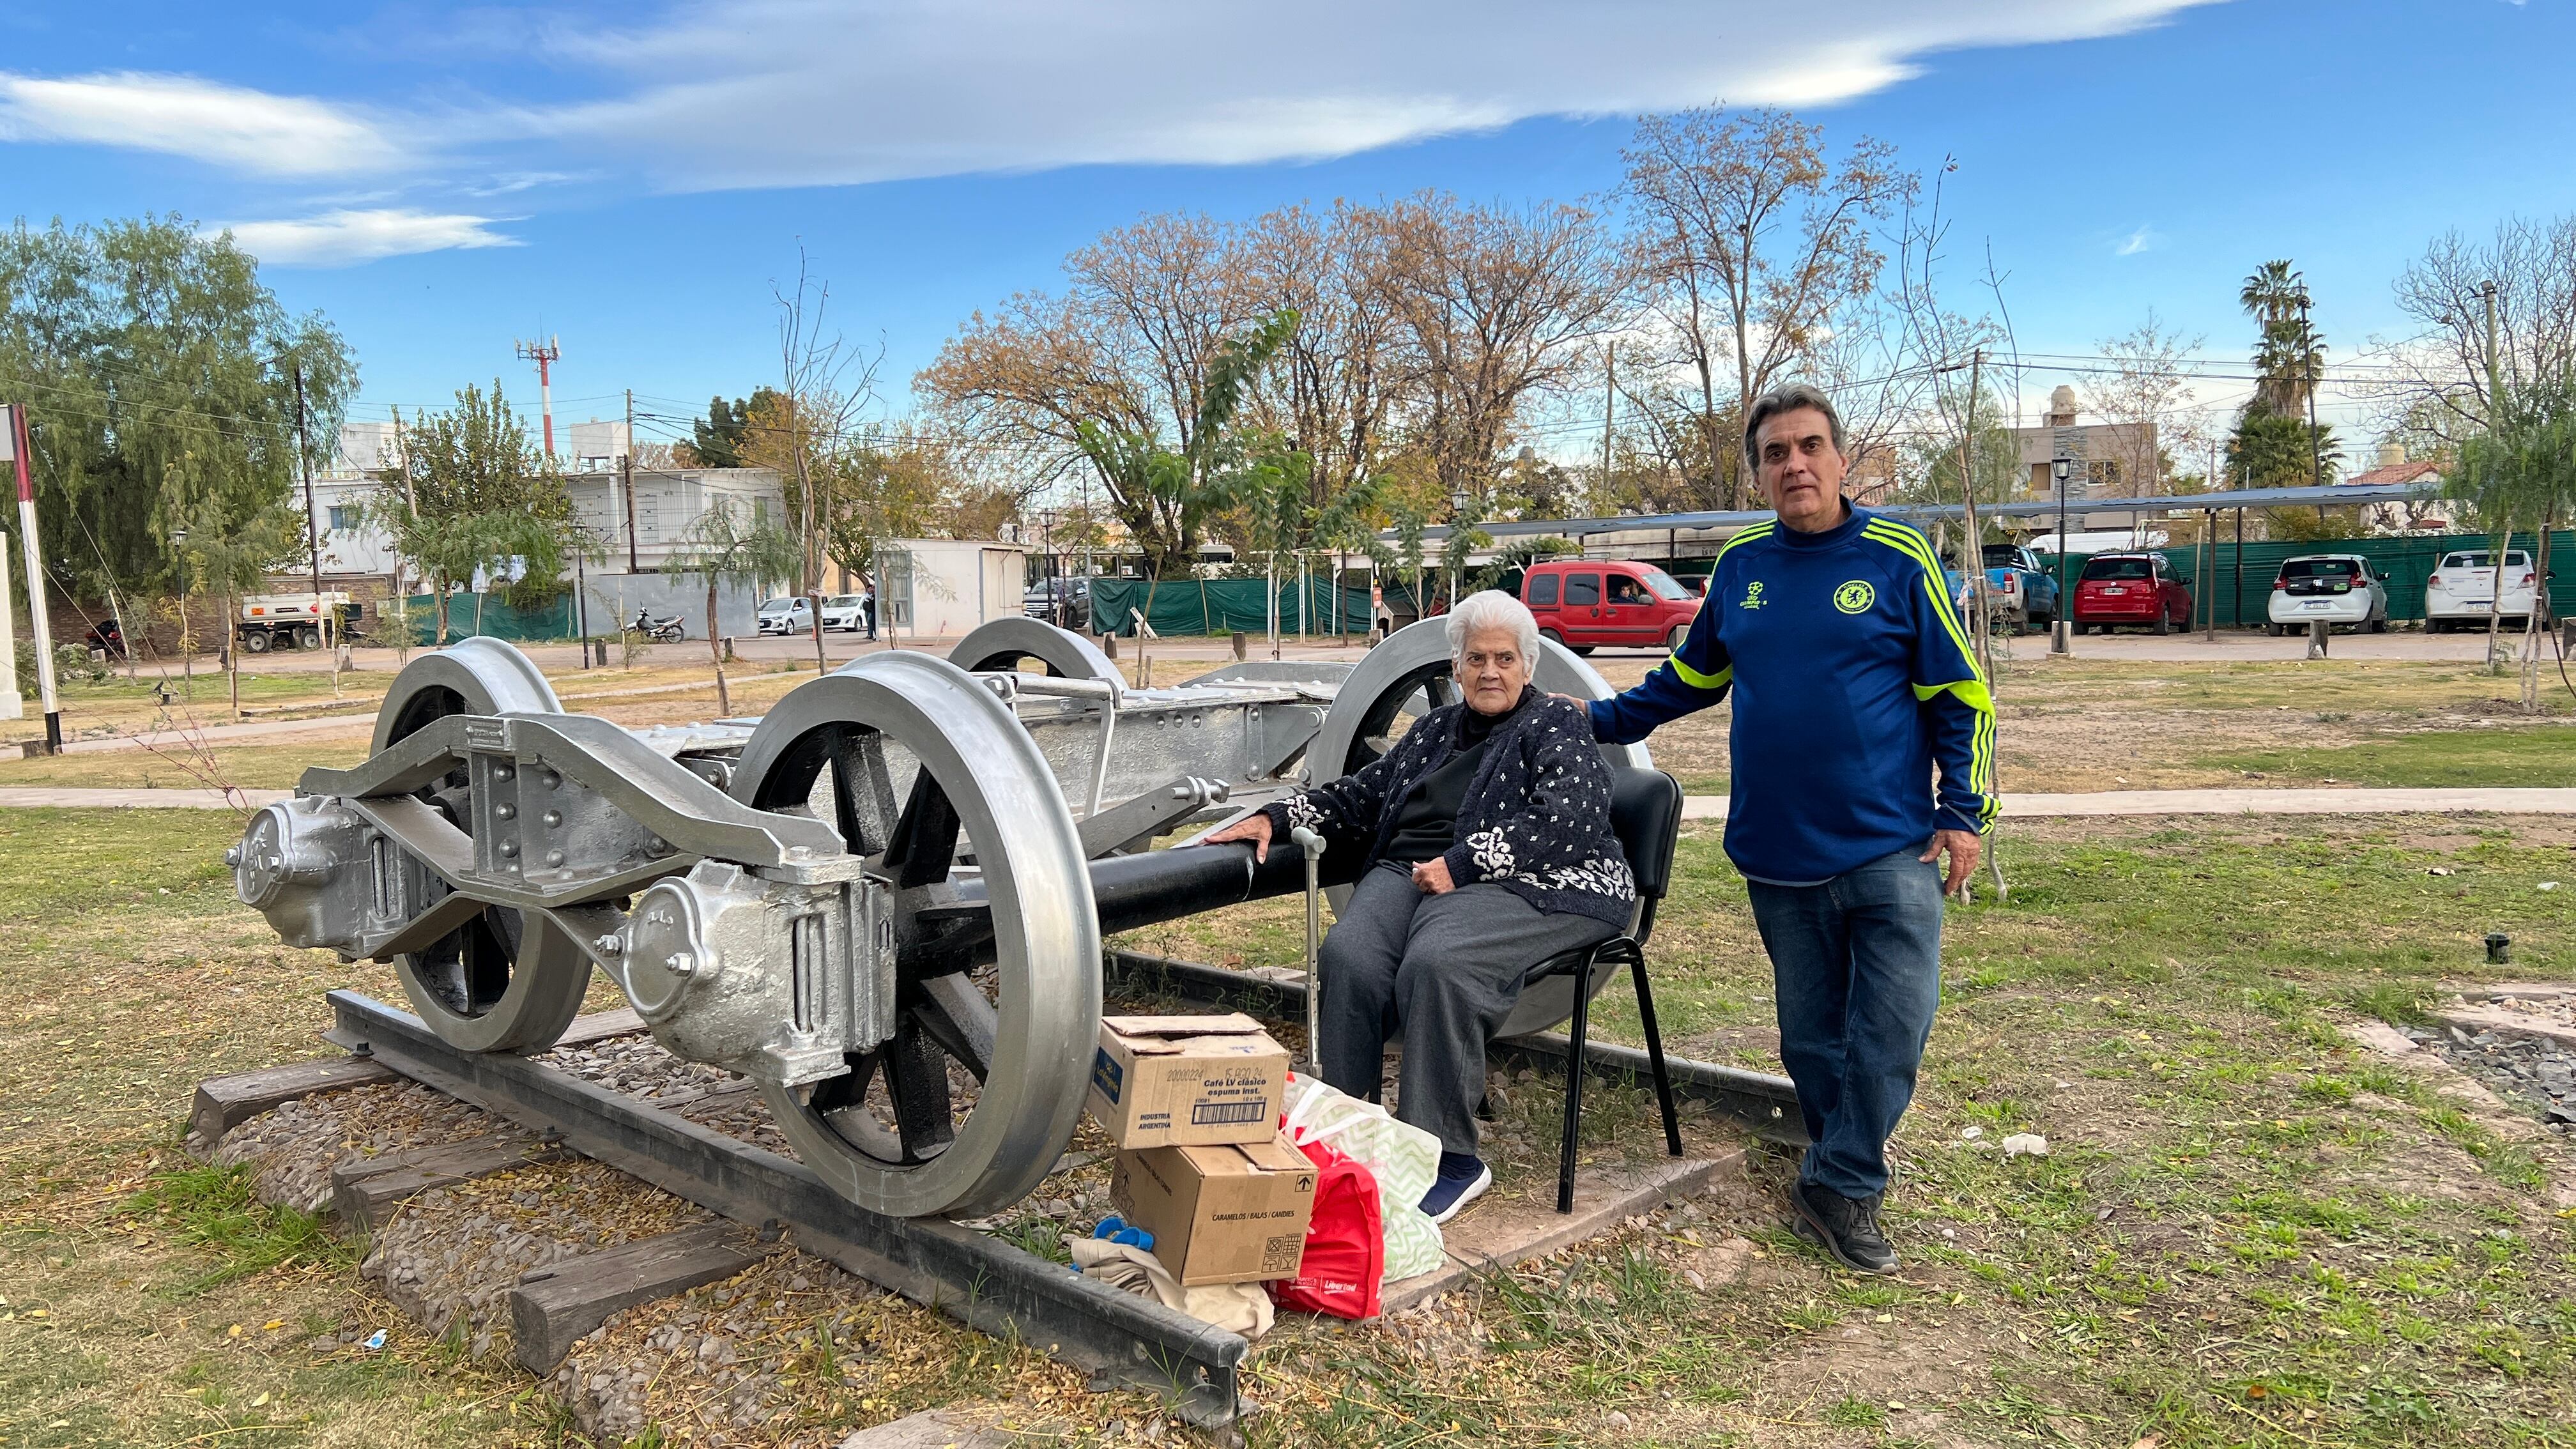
point(1488, 850)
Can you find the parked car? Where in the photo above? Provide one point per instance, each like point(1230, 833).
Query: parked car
point(1059, 600)
point(2459, 593)
point(2024, 595)
point(1584, 605)
point(2340, 588)
point(787, 616)
point(843, 612)
point(2137, 589)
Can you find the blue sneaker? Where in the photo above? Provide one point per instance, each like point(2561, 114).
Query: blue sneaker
point(1463, 1179)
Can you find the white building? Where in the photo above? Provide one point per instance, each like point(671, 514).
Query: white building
point(646, 533)
point(944, 587)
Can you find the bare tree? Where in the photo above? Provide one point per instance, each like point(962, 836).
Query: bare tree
point(2440, 393)
point(1748, 243)
point(825, 384)
point(2146, 397)
point(1493, 306)
point(1334, 384)
point(1127, 350)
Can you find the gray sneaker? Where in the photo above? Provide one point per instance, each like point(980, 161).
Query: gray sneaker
point(1846, 1228)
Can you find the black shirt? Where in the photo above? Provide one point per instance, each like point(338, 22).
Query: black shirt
point(1426, 824)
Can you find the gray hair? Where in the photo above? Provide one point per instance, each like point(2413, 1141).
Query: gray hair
point(1788, 398)
point(1492, 609)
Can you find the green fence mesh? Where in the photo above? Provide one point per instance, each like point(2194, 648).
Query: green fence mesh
point(2406, 563)
point(1222, 606)
point(485, 614)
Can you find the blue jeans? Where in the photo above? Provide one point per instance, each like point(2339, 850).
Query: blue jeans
point(1856, 962)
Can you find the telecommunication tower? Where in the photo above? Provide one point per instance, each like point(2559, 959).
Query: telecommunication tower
point(545, 354)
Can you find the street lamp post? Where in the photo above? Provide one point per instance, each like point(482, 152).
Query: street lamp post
point(2061, 470)
point(187, 655)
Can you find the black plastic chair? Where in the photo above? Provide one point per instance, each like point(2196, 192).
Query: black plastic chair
point(1646, 814)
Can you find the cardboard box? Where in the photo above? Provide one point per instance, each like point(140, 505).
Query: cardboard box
point(1187, 1081)
point(1229, 1214)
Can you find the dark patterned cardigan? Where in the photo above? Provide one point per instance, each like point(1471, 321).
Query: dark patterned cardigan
point(1536, 819)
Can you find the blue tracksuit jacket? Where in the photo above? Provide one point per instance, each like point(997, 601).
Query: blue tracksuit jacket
point(1852, 677)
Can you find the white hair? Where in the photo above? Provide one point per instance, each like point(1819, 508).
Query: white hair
point(1492, 609)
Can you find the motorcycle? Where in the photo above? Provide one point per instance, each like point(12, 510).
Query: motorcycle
point(658, 631)
point(107, 638)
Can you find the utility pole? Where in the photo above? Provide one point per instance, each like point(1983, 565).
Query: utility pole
point(324, 615)
point(14, 439)
point(621, 484)
point(545, 355)
point(626, 466)
point(2062, 469)
point(2308, 358)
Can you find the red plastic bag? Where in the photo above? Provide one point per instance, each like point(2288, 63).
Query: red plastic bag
point(1345, 1241)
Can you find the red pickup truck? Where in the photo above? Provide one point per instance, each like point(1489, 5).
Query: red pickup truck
point(1584, 605)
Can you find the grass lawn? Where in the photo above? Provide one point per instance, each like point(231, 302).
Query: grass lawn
point(2246, 1231)
point(2536, 755)
point(258, 765)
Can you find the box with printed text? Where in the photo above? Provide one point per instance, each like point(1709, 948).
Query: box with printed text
point(1172, 1081)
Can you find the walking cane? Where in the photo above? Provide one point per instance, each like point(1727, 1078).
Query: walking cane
point(1313, 845)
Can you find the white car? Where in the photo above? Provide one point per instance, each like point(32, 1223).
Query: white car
point(2460, 592)
point(787, 616)
point(2340, 588)
point(842, 611)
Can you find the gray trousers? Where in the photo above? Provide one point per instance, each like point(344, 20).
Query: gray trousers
point(1442, 970)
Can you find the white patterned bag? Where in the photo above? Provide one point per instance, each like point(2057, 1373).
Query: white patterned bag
point(1404, 1159)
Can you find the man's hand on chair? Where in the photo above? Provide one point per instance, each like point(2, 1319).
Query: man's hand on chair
point(1964, 847)
point(1431, 877)
point(1254, 827)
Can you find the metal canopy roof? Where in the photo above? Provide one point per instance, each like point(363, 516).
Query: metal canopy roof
point(2329, 495)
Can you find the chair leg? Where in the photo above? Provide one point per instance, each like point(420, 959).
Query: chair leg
point(1574, 1087)
point(1655, 1052)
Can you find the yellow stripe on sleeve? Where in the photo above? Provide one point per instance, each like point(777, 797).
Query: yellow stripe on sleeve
point(1694, 678)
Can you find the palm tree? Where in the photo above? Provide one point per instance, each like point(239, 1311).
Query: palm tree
point(2289, 352)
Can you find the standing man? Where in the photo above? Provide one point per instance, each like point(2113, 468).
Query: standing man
point(1852, 678)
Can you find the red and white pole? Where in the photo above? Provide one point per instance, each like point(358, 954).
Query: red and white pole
point(14, 440)
point(546, 397)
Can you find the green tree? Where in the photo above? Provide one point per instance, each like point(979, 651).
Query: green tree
point(160, 375)
point(2272, 450)
point(2520, 473)
point(2287, 354)
point(478, 496)
point(1217, 467)
point(230, 554)
point(723, 437)
point(724, 547)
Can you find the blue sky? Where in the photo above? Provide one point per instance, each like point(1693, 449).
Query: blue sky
point(633, 178)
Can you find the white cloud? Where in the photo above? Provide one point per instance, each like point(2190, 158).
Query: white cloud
point(737, 93)
point(2144, 239)
point(720, 94)
point(229, 126)
point(343, 238)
